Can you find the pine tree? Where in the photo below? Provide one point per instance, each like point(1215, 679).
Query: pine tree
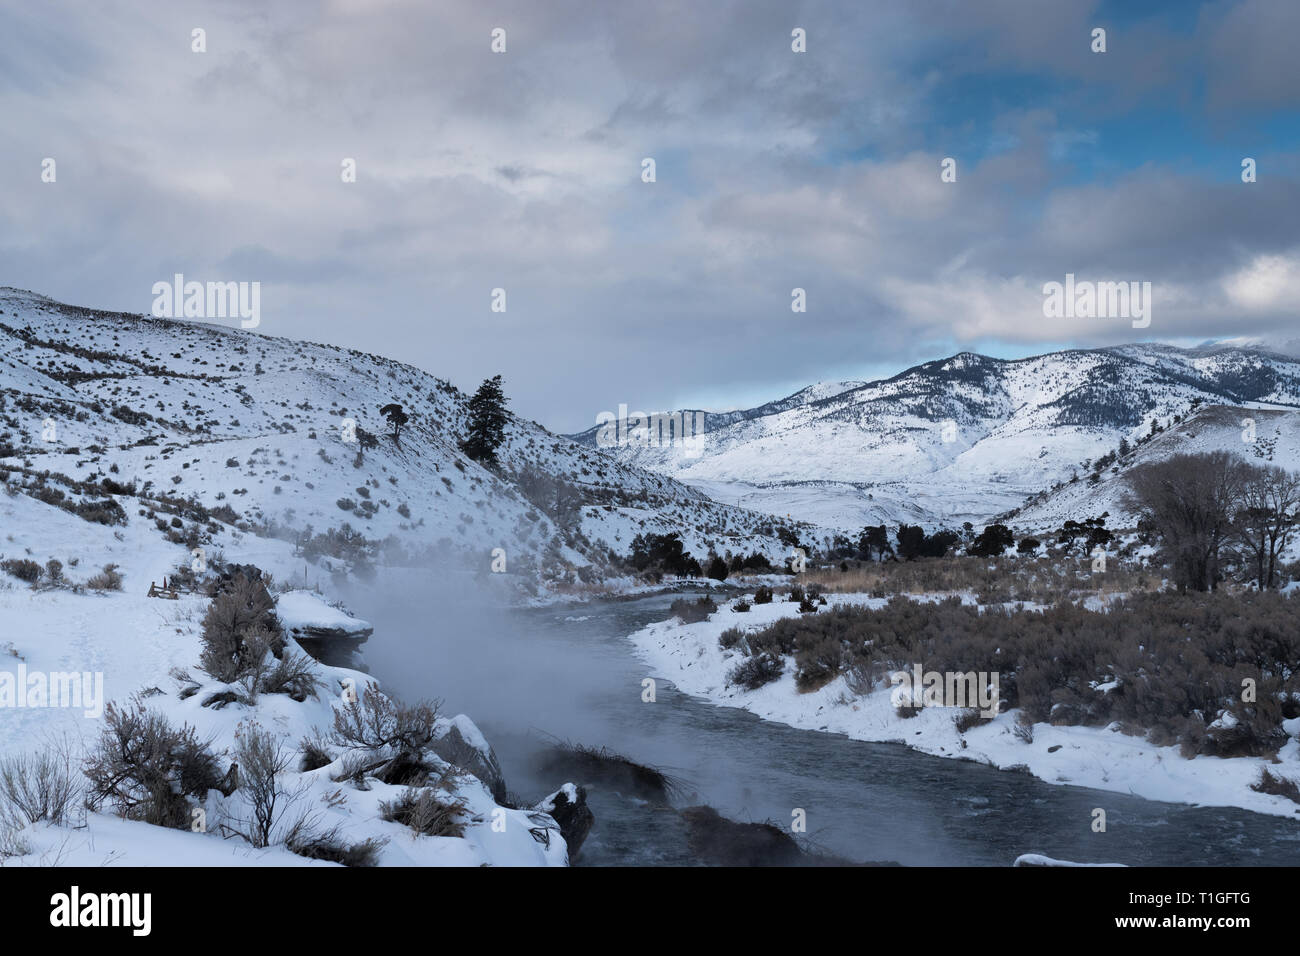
point(487, 422)
point(396, 418)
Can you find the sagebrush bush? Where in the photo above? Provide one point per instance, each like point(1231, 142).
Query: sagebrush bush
point(763, 595)
point(23, 569)
point(426, 812)
point(755, 671)
point(1167, 666)
point(262, 760)
point(392, 736)
point(146, 769)
point(238, 631)
point(331, 845)
point(108, 579)
point(40, 786)
point(692, 612)
point(731, 637)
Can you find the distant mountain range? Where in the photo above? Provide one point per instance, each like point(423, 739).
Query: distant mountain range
point(253, 430)
point(963, 438)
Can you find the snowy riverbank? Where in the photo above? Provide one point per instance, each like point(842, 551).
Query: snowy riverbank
point(690, 656)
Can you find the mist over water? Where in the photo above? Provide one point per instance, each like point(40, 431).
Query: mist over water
point(569, 672)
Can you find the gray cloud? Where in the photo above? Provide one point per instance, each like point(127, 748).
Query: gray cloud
point(522, 171)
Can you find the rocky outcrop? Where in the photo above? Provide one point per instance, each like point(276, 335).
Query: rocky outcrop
point(461, 743)
point(327, 633)
point(568, 808)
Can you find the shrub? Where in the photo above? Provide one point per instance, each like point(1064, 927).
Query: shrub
point(393, 736)
point(763, 595)
point(967, 718)
point(238, 630)
point(54, 570)
point(1277, 786)
point(107, 580)
point(315, 754)
point(262, 761)
point(753, 672)
point(148, 770)
point(293, 674)
point(331, 846)
point(692, 612)
point(37, 787)
point(730, 638)
point(1169, 666)
point(425, 812)
point(23, 569)
point(740, 605)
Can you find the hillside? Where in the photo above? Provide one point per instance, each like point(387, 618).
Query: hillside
point(964, 438)
point(209, 434)
point(1274, 440)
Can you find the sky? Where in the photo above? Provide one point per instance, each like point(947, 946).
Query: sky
point(522, 170)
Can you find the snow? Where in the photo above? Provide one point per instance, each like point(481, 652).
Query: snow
point(689, 656)
point(134, 641)
point(877, 452)
point(306, 609)
point(1037, 859)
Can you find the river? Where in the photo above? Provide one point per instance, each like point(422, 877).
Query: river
point(569, 672)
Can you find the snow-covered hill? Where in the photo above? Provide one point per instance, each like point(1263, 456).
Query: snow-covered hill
point(1260, 436)
point(964, 438)
point(200, 429)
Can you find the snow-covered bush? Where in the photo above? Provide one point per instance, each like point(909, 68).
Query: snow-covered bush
point(146, 769)
point(40, 786)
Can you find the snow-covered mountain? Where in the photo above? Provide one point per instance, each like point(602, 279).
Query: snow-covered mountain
point(964, 438)
point(209, 434)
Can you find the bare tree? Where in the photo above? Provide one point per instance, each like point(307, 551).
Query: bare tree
point(1192, 501)
point(1269, 512)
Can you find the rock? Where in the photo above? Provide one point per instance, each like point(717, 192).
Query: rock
point(461, 743)
point(722, 842)
point(328, 634)
point(1038, 859)
point(568, 808)
point(231, 782)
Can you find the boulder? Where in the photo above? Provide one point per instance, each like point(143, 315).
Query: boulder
point(459, 742)
point(568, 808)
point(722, 842)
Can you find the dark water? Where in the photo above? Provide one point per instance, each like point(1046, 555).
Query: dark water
point(570, 672)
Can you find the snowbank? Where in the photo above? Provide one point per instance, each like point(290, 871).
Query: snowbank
point(1097, 757)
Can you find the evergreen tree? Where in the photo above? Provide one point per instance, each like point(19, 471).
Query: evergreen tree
point(487, 422)
point(396, 417)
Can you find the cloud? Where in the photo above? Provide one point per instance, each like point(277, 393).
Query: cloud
point(522, 171)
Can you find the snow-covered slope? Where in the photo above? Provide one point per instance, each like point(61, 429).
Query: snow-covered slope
point(1260, 436)
point(126, 643)
point(192, 422)
point(964, 438)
